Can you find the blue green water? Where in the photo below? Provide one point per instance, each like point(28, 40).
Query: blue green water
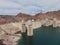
point(42, 36)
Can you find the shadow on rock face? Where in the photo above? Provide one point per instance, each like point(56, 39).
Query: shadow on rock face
point(1, 42)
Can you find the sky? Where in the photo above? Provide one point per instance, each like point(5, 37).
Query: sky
point(13, 7)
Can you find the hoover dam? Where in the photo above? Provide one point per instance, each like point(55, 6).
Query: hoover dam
point(14, 28)
point(7, 31)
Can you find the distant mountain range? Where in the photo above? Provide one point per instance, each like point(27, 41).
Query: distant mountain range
point(21, 16)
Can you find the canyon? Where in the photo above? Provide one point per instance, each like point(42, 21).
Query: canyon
point(9, 25)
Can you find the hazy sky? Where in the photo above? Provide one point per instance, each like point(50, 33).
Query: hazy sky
point(12, 7)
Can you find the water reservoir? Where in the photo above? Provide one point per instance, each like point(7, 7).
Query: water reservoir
point(42, 36)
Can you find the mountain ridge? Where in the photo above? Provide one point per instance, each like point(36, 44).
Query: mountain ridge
point(22, 16)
